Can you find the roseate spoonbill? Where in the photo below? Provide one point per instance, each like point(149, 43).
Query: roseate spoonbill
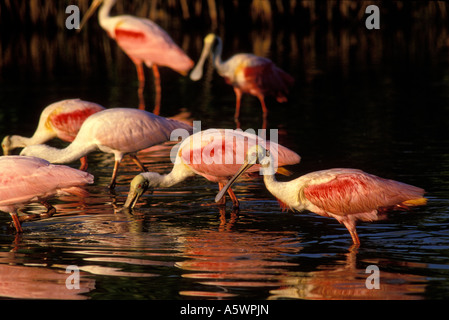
point(28, 179)
point(61, 119)
point(215, 154)
point(118, 131)
point(347, 195)
point(143, 42)
point(246, 72)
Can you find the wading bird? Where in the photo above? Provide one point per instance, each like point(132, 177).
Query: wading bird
point(247, 73)
point(215, 154)
point(143, 41)
point(118, 131)
point(28, 179)
point(61, 119)
point(347, 195)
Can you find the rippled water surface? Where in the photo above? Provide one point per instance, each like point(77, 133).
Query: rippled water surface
point(378, 102)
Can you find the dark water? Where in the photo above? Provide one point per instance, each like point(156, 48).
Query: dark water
point(377, 100)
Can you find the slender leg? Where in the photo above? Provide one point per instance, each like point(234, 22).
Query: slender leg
point(50, 210)
point(157, 84)
point(238, 96)
point(264, 107)
point(114, 174)
point(141, 77)
point(235, 201)
point(138, 162)
point(83, 166)
point(222, 202)
point(16, 221)
point(352, 231)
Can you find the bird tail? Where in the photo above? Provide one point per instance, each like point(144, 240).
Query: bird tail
point(415, 202)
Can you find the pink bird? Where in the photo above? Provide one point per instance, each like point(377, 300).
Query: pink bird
point(347, 195)
point(144, 42)
point(61, 119)
point(247, 73)
point(215, 154)
point(28, 179)
point(119, 131)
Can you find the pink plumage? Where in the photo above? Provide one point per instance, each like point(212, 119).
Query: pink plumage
point(217, 154)
point(29, 179)
point(144, 42)
point(348, 195)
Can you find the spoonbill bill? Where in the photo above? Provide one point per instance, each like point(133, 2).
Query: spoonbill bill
point(28, 179)
point(118, 131)
point(144, 42)
point(215, 154)
point(246, 73)
point(61, 119)
point(348, 195)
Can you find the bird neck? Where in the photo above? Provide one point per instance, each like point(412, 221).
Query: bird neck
point(69, 154)
point(104, 12)
point(179, 173)
point(216, 55)
point(281, 190)
point(38, 138)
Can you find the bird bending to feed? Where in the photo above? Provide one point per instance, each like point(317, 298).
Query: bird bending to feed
point(28, 179)
point(215, 154)
point(143, 41)
point(61, 119)
point(347, 195)
point(118, 131)
point(246, 72)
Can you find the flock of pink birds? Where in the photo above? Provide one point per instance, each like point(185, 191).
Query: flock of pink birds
point(39, 172)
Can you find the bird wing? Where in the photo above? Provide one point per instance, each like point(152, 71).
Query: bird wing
point(349, 191)
point(217, 154)
point(68, 116)
point(144, 41)
point(258, 75)
point(24, 179)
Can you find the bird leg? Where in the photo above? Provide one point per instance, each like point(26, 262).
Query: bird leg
point(138, 162)
point(264, 107)
point(16, 221)
point(222, 201)
point(238, 97)
point(141, 77)
point(50, 210)
point(83, 166)
point(350, 225)
point(235, 201)
point(114, 174)
point(157, 84)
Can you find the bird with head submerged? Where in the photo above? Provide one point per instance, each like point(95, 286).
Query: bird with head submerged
point(348, 195)
point(25, 180)
point(119, 131)
point(144, 42)
point(246, 73)
point(61, 119)
point(215, 154)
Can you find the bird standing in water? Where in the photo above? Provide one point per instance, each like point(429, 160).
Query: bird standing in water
point(144, 42)
point(348, 195)
point(215, 154)
point(28, 179)
point(118, 131)
point(61, 119)
point(246, 73)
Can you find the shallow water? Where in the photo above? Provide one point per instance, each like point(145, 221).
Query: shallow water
point(383, 110)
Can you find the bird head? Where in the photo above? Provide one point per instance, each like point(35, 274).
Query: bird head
point(6, 145)
point(141, 183)
point(209, 41)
